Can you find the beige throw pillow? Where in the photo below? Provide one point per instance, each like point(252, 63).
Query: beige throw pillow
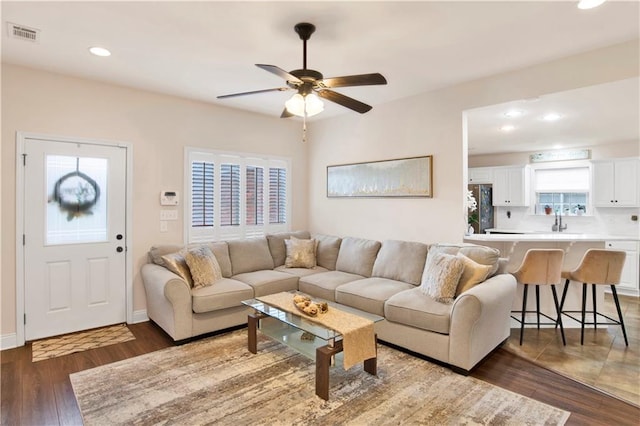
point(203, 266)
point(300, 253)
point(176, 263)
point(441, 275)
point(473, 274)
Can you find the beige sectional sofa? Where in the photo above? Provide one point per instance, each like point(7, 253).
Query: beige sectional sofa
point(379, 277)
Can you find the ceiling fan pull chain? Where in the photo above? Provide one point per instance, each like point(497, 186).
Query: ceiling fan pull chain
point(304, 127)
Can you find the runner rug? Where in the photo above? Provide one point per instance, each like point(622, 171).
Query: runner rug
point(217, 380)
point(78, 342)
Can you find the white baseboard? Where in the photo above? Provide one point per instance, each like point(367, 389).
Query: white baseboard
point(140, 316)
point(8, 341)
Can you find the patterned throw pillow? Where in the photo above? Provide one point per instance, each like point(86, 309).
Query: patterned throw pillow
point(473, 274)
point(203, 266)
point(300, 253)
point(441, 275)
point(176, 263)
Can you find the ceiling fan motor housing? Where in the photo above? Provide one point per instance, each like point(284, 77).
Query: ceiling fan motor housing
point(304, 30)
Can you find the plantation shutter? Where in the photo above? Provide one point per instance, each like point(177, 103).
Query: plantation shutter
point(254, 195)
point(277, 195)
point(202, 181)
point(229, 195)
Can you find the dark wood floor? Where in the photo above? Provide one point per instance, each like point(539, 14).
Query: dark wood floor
point(40, 393)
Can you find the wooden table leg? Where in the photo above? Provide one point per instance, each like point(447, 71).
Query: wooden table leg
point(252, 322)
point(323, 362)
point(371, 364)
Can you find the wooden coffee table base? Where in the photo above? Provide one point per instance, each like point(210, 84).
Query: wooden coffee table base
point(323, 356)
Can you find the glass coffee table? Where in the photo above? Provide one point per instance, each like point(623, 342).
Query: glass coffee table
point(311, 339)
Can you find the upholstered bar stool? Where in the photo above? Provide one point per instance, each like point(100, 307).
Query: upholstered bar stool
point(597, 267)
point(540, 267)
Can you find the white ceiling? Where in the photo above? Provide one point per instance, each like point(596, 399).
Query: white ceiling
point(200, 50)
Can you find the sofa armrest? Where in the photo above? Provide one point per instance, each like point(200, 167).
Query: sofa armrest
point(168, 301)
point(480, 320)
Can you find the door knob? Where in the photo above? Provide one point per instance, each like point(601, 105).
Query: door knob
point(119, 249)
point(119, 237)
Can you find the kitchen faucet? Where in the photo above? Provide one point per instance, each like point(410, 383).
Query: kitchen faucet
point(558, 226)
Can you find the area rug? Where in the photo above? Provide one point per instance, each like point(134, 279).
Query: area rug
point(78, 342)
point(218, 381)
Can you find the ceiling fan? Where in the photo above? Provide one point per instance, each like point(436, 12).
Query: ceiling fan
point(310, 84)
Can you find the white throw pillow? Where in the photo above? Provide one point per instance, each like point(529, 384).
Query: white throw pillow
point(441, 275)
point(300, 253)
point(203, 266)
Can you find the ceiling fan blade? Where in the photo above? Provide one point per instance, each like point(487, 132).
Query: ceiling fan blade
point(345, 101)
point(280, 73)
point(286, 113)
point(277, 89)
point(353, 80)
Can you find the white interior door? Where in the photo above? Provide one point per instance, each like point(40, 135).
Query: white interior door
point(74, 236)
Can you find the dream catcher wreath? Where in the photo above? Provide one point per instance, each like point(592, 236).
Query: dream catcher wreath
point(76, 193)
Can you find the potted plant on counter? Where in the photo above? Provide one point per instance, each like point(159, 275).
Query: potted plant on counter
point(472, 213)
point(548, 210)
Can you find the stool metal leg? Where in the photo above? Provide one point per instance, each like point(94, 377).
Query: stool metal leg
point(524, 311)
point(584, 308)
point(595, 308)
point(538, 304)
point(614, 292)
point(564, 296)
point(559, 313)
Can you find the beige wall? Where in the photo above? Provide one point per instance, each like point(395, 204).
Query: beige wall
point(431, 124)
point(157, 126)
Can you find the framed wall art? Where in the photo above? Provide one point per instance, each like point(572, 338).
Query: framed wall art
point(404, 177)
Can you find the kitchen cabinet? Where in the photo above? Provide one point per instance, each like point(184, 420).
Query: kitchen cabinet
point(615, 183)
point(630, 272)
point(511, 186)
point(480, 175)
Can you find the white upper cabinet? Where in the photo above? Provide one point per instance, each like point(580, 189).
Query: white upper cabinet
point(615, 183)
point(481, 175)
point(511, 186)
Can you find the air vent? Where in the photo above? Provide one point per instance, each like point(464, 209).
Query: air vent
point(24, 33)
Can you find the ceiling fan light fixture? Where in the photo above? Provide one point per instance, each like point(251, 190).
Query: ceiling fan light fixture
point(308, 105)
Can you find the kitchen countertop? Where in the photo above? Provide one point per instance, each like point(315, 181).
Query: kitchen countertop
point(550, 237)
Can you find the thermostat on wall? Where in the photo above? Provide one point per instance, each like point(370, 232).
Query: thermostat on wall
point(168, 198)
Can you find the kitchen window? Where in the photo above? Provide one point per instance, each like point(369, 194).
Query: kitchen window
point(562, 190)
point(235, 195)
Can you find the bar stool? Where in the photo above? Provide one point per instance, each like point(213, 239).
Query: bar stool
point(540, 267)
point(597, 267)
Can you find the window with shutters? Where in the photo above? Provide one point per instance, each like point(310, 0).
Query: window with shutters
point(234, 195)
point(277, 195)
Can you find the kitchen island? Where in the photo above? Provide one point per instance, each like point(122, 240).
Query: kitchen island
point(514, 246)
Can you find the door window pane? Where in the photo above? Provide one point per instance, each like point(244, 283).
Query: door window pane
point(77, 199)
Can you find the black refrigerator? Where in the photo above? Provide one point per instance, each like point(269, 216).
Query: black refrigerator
point(483, 195)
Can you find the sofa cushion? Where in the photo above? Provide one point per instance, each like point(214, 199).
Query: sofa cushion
point(249, 255)
point(369, 294)
point(225, 293)
point(276, 244)
point(268, 281)
point(203, 266)
point(219, 249)
point(401, 261)
point(327, 251)
point(481, 254)
point(324, 284)
point(357, 256)
point(301, 272)
point(441, 275)
point(416, 309)
point(472, 274)
point(300, 253)
point(176, 263)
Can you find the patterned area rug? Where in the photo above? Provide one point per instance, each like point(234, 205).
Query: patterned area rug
point(217, 380)
point(78, 342)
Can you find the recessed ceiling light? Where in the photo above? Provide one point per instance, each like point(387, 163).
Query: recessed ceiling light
point(513, 113)
point(589, 4)
point(507, 128)
point(557, 146)
point(552, 116)
point(99, 51)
